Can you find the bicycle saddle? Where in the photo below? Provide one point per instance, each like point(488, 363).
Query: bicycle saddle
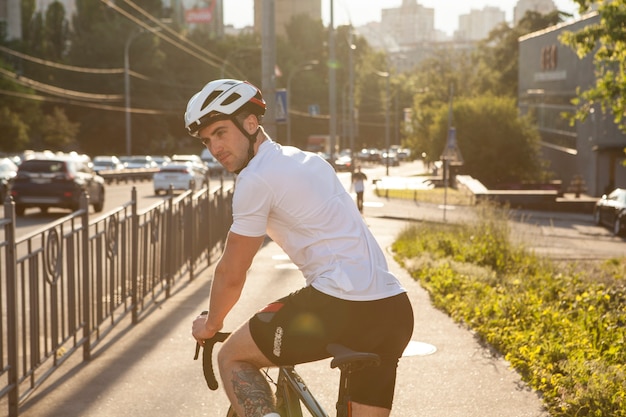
point(343, 356)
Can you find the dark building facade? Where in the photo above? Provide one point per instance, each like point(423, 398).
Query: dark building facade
point(549, 75)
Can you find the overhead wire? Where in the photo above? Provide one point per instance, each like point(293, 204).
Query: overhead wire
point(48, 99)
point(61, 66)
point(87, 70)
point(56, 91)
point(151, 29)
point(178, 36)
point(172, 32)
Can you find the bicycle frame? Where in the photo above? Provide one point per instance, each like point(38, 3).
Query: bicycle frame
point(291, 391)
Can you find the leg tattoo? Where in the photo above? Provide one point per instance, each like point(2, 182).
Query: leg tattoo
point(252, 391)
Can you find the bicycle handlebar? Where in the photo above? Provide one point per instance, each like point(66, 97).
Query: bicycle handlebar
point(207, 356)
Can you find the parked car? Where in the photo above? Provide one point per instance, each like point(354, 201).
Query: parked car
point(390, 159)
point(369, 155)
point(161, 159)
point(56, 182)
point(139, 162)
point(193, 159)
point(610, 211)
point(343, 162)
point(8, 170)
point(107, 163)
point(180, 175)
point(215, 168)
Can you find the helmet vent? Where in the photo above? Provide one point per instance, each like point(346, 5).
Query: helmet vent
point(233, 97)
point(210, 98)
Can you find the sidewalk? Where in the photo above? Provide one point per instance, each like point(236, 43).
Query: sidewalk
point(147, 370)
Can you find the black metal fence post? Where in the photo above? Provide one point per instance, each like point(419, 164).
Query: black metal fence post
point(134, 258)
point(87, 313)
point(11, 287)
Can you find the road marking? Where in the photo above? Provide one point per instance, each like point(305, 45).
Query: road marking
point(418, 349)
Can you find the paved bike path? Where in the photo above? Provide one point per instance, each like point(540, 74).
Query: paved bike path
point(147, 369)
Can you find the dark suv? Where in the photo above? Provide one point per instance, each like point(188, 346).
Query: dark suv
point(56, 182)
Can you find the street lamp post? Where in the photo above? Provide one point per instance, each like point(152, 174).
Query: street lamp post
point(387, 76)
point(306, 66)
point(351, 97)
point(127, 108)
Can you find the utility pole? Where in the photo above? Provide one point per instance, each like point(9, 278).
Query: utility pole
point(351, 98)
point(268, 66)
point(332, 91)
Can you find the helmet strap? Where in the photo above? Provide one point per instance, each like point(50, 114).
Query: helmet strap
point(251, 141)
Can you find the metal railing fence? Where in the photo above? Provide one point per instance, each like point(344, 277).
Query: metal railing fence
point(64, 287)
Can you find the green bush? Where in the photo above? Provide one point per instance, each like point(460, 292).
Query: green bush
point(561, 326)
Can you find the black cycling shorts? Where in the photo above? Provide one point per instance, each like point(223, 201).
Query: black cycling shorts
point(297, 329)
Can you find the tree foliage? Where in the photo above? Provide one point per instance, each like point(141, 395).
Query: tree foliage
point(606, 40)
point(57, 131)
point(498, 147)
point(13, 131)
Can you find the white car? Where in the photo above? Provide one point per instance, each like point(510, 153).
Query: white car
point(107, 163)
point(180, 175)
point(215, 168)
point(194, 159)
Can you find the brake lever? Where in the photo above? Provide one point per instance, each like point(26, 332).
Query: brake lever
point(207, 357)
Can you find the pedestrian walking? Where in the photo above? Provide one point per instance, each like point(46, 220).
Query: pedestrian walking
point(358, 185)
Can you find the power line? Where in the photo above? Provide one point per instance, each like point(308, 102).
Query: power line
point(104, 71)
point(37, 97)
point(56, 91)
point(179, 36)
point(61, 66)
point(160, 35)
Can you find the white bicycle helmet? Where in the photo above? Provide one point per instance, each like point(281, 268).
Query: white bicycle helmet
point(222, 99)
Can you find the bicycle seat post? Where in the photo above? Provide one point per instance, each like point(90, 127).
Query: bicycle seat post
point(348, 360)
point(343, 398)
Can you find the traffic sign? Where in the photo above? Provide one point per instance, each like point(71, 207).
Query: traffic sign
point(281, 106)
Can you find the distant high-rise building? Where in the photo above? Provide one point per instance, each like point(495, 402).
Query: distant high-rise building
point(408, 24)
point(539, 6)
point(10, 15)
point(477, 24)
point(284, 10)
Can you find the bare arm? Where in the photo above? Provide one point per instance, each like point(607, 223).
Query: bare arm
point(228, 282)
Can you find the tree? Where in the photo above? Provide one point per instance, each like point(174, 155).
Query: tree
point(56, 32)
point(13, 131)
point(498, 146)
point(57, 131)
point(605, 40)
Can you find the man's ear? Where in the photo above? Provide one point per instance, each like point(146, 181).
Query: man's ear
point(251, 124)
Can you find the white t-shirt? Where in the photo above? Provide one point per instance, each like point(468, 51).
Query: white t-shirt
point(296, 199)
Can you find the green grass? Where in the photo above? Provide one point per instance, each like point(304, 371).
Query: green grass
point(435, 196)
point(561, 326)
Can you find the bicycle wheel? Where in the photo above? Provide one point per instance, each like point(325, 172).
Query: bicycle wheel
point(287, 401)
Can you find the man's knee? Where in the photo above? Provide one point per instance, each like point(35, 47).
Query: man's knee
point(240, 347)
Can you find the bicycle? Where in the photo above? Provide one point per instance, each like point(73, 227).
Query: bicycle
point(290, 389)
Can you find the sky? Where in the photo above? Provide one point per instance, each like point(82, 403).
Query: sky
point(240, 13)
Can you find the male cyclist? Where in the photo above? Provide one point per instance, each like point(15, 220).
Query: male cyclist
point(295, 198)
